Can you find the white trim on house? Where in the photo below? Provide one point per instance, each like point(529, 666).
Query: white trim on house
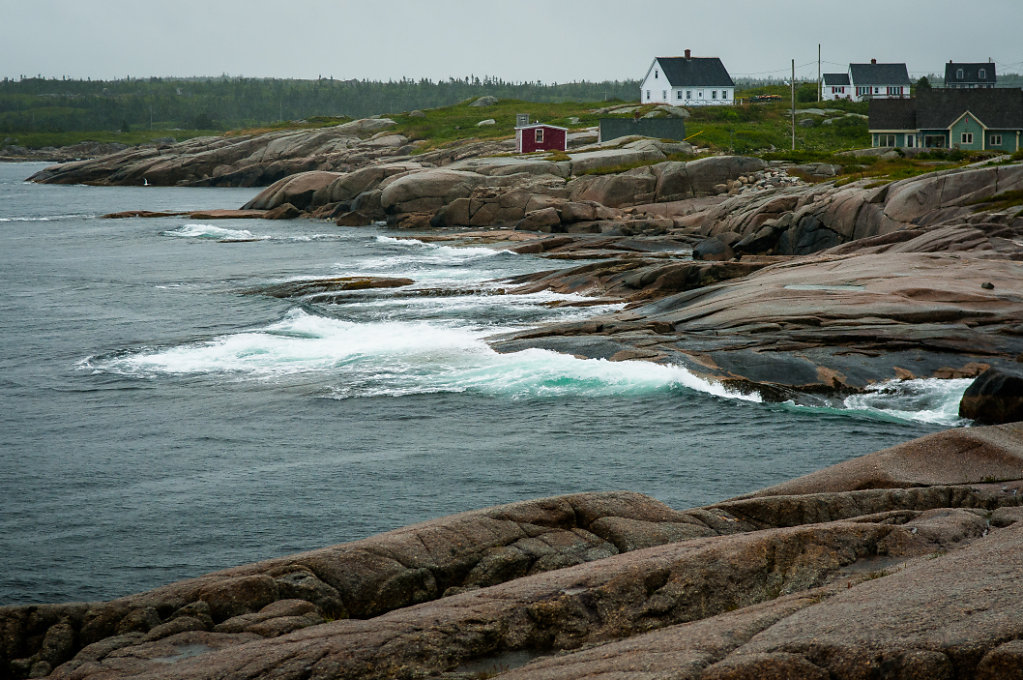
point(657, 90)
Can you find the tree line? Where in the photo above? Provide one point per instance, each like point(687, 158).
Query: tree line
point(60, 105)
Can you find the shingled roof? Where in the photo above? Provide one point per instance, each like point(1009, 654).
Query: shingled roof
point(937, 109)
point(836, 79)
point(892, 114)
point(971, 73)
point(995, 108)
point(879, 74)
point(695, 71)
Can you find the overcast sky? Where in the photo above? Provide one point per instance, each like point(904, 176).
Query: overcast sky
point(554, 41)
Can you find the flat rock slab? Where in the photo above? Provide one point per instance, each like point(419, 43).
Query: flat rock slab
point(817, 580)
point(821, 323)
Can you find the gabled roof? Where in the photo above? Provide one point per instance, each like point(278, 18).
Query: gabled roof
point(995, 107)
point(834, 79)
point(694, 71)
point(892, 114)
point(937, 109)
point(971, 73)
point(879, 74)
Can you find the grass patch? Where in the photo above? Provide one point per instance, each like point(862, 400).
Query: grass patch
point(39, 140)
point(307, 124)
point(1000, 201)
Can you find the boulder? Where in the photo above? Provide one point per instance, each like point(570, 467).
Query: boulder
point(427, 190)
point(545, 219)
point(995, 397)
point(486, 123)
point(484, 101)
point(353, 218)
point(615, 191)
point(717, 247)
point(298, 190)
point(285, 211)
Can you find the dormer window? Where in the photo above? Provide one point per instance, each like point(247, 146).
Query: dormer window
point(959, 74)
point(982, 74)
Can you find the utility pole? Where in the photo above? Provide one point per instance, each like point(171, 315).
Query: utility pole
point(818, 73)
point(792, 83)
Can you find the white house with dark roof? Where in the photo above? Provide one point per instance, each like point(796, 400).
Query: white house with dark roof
point(869, 81)
point(687, 81)
point(836, 86)
point(970, 76)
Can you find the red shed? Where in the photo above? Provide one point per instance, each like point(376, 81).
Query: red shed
point(540, 137)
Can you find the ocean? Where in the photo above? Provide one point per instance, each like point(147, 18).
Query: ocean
point(160, 418)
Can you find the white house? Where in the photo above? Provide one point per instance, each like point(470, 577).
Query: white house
point(836, 86)
point(687, 81)
point(868, 81)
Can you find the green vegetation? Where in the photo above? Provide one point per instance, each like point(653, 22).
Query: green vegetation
point(1000, 201)
point(39, 140)
point(168, 106)
point(442, 126)
point(37, 112)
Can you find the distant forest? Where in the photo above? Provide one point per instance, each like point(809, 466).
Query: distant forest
point(61, 105)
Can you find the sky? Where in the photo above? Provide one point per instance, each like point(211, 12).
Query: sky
point(554, 41)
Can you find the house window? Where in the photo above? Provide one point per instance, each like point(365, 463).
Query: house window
point(886, 140)
point(995, 140)
point(655, 74)
point(910, 140)
point(724, 94)
point(877, 90)
point(982, 74)
point(679, 94)
point(934, 141)
point(538, 136)
point(689, 94)
point(895, 90)
point(701, 94)
point(714, 94)
point(648, 95)
point(966, 138)
point(862, 90)
point(664, 95)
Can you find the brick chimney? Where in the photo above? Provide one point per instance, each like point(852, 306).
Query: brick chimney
point(688, 53)
point(873, 61)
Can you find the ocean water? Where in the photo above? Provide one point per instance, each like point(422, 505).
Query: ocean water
point(159, 418)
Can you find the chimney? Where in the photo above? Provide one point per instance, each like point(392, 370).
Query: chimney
point(687, 54)
point(873, 61)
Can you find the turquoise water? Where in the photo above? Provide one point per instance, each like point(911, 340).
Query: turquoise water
point(160, 420)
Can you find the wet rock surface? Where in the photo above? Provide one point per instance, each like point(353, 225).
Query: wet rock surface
point(902, 564)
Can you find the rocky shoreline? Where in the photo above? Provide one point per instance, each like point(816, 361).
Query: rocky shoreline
point(739, 270)
point(903, 563)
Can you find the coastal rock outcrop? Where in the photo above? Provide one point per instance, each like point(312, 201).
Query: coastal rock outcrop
point(801, 221)
point(996, 396)
point(831, 324)
point(904, 562)
point(241, 160)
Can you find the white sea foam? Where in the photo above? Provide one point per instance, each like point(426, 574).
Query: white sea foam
point(398, 358)
point(209, 231)
point(432, 253)
point(47, 218)
point(929, 400)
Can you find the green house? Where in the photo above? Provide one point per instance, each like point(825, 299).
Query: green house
point(977, 119)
